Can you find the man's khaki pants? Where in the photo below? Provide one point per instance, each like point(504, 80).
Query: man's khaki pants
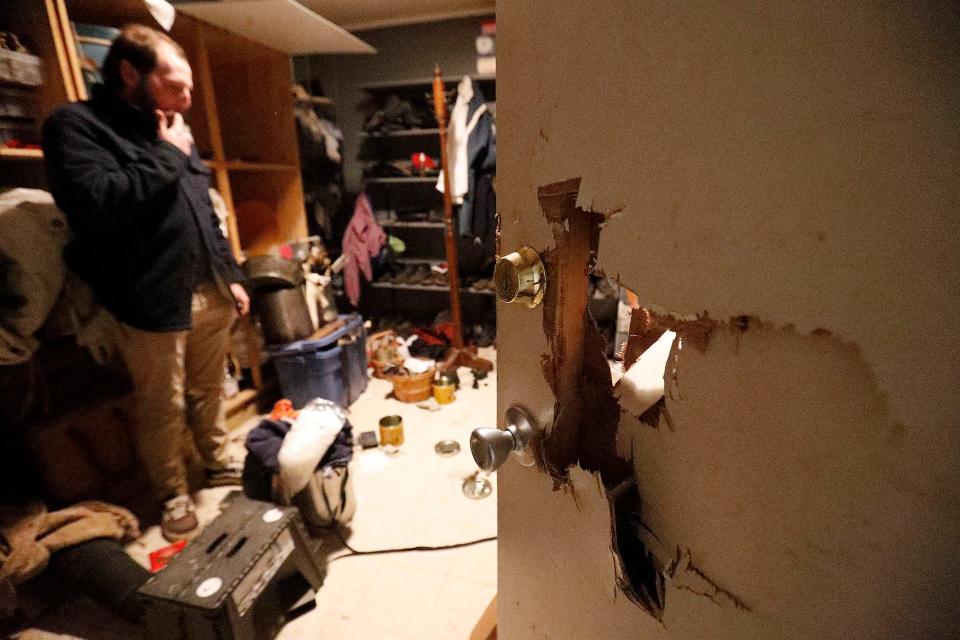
point(178, 378)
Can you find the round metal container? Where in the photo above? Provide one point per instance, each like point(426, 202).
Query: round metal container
point(447, 448)
point(444, 393)
point(283, 315)
point(391, 431)
point(269, 272)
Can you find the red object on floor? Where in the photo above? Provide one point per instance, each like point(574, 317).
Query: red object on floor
point(163, 555)
point(442, 334)
point(283, 408)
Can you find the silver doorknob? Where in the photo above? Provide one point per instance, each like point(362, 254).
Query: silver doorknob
point(492, 447)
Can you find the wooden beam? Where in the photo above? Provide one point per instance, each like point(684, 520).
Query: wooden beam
point(453, 275)
point(69, 43)
point(486, 627)
point(56, 20)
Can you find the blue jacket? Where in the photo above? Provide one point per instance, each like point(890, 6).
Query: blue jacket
point(144, 232)
point(476, 213)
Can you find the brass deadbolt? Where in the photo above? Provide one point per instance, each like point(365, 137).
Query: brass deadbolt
point(521, 277)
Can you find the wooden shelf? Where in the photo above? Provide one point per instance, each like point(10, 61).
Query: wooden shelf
point(424, 224)
point(243, 165)
point(27, 119)
point(430, 261)
point(427, 287)
point(36, 23)
point(240, 165)
point(401, 133)
point(232, 405)
point(416, 82)
point(402, 180)
point(21, 154)
point(240, 408)
point(284, 25)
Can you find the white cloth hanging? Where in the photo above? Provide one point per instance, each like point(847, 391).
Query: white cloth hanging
point(458, 134)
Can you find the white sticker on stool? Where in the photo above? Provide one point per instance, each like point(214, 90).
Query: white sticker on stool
point(209, 587)
point(272, 515)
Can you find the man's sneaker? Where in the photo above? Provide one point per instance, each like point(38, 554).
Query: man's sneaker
point(230, 473)
point(179, 520)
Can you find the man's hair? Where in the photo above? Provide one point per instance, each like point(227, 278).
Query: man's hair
point(137, 45)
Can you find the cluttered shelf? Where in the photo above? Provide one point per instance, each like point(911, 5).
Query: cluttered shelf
point(428, 287)
point(426, 82)
point(414, 224)
point(429, 261)
point(403, 180)
point(400, 133)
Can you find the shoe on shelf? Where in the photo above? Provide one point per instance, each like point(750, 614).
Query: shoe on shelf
point(403, 277)
point(420, 273)
point(226, 474)
point(179, 521)
point(482, 284)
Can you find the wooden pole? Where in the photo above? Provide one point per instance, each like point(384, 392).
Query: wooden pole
point(457, 356)
point(453, 274)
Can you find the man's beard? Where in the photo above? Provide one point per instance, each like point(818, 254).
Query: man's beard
point(141, 97)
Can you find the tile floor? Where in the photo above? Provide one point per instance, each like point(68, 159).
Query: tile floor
point(412, 498)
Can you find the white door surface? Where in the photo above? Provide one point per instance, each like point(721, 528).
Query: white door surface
point(779, 184)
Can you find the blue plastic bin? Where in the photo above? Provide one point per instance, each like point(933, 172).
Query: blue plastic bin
point(333, 368)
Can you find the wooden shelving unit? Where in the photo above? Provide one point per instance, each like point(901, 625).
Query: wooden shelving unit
point(37, 24)
point(424, 238)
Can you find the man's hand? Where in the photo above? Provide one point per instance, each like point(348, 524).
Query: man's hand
point(174, 131)
point(241, 297)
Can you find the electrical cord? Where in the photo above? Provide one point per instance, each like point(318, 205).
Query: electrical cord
point(373, 552)
point(355, 552)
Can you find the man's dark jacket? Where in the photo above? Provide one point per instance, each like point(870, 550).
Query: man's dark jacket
point(144, 232)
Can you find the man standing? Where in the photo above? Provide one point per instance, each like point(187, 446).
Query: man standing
point(123, 169)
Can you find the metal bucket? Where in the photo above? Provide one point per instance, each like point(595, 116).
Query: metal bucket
point(269, 272)
point(283, 315)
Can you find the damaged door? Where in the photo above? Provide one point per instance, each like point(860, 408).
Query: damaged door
point(780, 458)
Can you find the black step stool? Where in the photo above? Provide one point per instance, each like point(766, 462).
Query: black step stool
point(243, 578)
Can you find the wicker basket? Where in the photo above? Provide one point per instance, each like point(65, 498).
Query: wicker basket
point(382, 353)
point(413, 388)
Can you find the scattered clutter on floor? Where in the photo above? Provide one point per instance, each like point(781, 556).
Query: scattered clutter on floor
point(298, 470)
point(366, 402)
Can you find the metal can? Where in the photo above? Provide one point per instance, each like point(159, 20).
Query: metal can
point(444, 392)
point(391, 431)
